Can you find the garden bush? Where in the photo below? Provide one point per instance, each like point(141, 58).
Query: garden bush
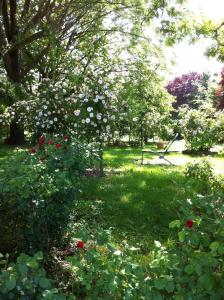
point(201, 174)
point(198, 128)
point(190, 266)
point(38, 190)
point(26, 279)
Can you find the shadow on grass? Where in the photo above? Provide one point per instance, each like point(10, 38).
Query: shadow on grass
point(139, 203)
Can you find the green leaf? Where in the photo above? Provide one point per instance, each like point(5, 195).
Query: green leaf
point(32, 263)
point(170, 287)
point(181, 236)
point(11, 282)
point(214, 246)
point(194, 238)
point(160, 283)
point(189, 269)
point(39, 255)
point(174, 224)
point(44, 283)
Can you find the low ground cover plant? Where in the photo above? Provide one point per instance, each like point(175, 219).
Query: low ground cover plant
point(26, 279)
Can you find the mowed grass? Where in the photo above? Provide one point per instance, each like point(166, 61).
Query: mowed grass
point(138, 201)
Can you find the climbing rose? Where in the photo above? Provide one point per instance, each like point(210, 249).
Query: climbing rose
point(33, 150)
point(189, 223)
point(66, 138)
point(58, 146)
point(80, 244)
point(42, 140)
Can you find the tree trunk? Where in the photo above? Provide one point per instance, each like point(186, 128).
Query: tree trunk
point(16, 134)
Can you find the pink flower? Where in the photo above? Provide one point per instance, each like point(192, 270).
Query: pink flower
point(58, 146)
point(189, 223)
point(80, 244)
point(42, 140)
point(33, 150)
point(50, 142)
point(66, 138)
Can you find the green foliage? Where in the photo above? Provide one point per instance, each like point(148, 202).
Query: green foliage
point(26, 279)
point(198, 128)
point(189, 267)
point(38, 191)
point(201, 171)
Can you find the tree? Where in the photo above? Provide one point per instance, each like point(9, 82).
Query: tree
point(184, 88)
point(31, 30)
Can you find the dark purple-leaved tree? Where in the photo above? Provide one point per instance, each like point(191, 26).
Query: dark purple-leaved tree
point(185, 88)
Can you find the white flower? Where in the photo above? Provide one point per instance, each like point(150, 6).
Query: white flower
point(55, 119)
point(95, 100)
point(98, 116)
point(51, 122)
point(87, 120)
point(45, 106)
point(105, 120)
point(49, 113)
point(77, 112)
point(40, 113)
point(91, 115)
point(37, 123)
point(83, 121)
point(135, 119)
point(89, 109)
point(113, 117)
point(108, 127)
point(85, 100)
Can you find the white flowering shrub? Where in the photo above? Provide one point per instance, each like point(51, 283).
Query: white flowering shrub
point(87, 109)
point(199, 128)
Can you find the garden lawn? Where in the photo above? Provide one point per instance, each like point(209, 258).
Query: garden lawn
point(139, 202)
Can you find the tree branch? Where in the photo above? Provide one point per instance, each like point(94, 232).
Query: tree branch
point(6, 19)
point(26, 8)
point(13, 8)
point(26, 41)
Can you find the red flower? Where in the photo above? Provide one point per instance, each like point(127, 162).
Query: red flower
point(189, 223)
point(66, 138)
point(58, 146)
point(42, 140)
point(50, 142)
point(33, 150)
point(80, 244)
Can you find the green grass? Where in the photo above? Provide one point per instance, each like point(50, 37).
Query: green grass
point(139, 201)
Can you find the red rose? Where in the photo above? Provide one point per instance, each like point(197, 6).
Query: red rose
point(42, 140)
point(50, 142)
point(58, 146)
point(80, 244)
point(33, 150)
point(189, 223)
point(66, 138)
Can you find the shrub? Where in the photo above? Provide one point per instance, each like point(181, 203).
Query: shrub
point(201, 174)
point(26, 279)
point(198, 128)
point(189, 267)
point(38, 190)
